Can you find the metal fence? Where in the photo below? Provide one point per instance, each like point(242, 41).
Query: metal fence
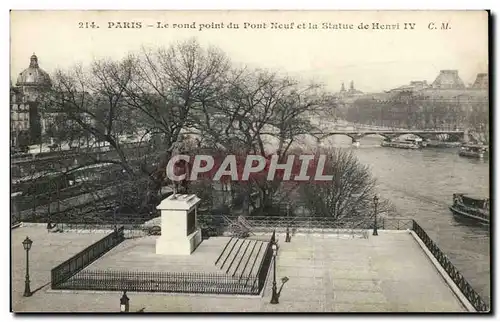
point(64, 271)
point(303, 223)
point(172, 282)
point(216, 225)
point(266, 263)
point(454, 274)
point(394, 224)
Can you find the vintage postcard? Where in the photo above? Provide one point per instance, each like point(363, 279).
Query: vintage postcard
point(250, 161)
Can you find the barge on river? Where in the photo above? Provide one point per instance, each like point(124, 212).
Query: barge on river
point(471, 207)
point(413, 144)
point(477, 151)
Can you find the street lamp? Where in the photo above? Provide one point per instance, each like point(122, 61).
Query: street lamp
point(124, 303)
point(120, 205)
point(287, 238)
point(375, 203)
point(27, 246)
point(114, 219)
point(274, 297)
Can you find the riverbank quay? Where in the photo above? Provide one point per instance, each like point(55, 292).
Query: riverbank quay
point(327, 273)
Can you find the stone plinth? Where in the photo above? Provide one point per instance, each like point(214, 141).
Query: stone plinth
point(180, 234)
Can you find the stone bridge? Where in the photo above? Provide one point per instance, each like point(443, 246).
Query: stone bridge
point(356, 135)
point(357, 131)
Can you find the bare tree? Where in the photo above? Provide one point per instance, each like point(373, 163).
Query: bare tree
point(259, 108)
point(167, 85)
point(348, 197)
point(160, 97)
point(148, 95)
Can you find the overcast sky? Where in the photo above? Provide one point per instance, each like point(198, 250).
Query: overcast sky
point(374, 59)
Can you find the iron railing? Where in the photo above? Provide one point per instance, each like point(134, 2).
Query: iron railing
point(394, 224)
point(303, 223)
point(266, 263)
point(69, 268)
point(216, 224)
point(172, 282)
point(454, 274)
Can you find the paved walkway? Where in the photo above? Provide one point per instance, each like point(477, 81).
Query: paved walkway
point(386, 273)
point(48, 250)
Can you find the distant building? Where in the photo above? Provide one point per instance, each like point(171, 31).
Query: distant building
point(348, 96)
point(481, 81)
point(448, 79)
point(445, 102)
point(24, 105)
point(413, 86)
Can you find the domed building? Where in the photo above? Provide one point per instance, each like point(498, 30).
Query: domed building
point(33, 79)
point(25, 117)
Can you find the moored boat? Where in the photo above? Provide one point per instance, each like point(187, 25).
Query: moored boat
point(473, 151)
point(417, 141)
point(472, 207)
point(400, 144)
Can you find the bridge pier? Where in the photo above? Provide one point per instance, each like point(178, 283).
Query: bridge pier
point(466, 138)
point(356, 139)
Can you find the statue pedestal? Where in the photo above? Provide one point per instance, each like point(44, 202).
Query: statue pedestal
point(180, 234)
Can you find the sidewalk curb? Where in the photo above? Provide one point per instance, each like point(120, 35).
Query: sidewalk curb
point(458, 293)
point(210, 295)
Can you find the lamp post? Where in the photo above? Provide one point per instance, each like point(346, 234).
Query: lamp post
point(124, 303)
point(287, 238)
point(114, 219)
point(274, 297)
point(120, 205)
point(375, 203)
point(27, 246)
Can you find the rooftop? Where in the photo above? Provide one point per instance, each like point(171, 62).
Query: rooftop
point(33, 75)
point(327, 273)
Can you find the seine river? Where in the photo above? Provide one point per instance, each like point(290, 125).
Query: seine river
point(420, 184)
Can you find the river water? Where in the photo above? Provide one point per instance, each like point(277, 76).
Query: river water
point(420, 184)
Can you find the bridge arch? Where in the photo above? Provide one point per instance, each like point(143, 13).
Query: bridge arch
point(379, 135)
point(353, 136)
